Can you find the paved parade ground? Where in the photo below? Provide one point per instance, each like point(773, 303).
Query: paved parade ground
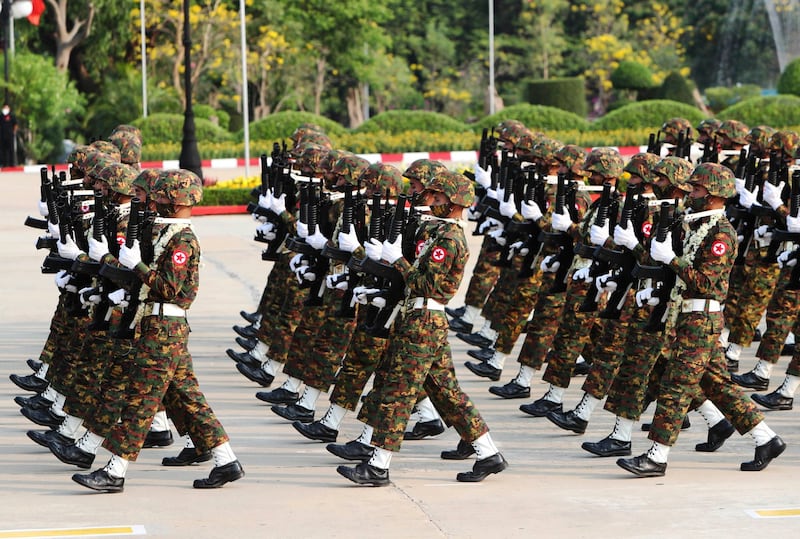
point(552, 488)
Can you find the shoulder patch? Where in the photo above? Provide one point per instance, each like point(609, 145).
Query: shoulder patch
point(179, 258)
point(647, 229)
point(438, 254)
point(718, 248)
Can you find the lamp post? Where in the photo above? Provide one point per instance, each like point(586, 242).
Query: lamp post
point(190, 156)
point(491, 57)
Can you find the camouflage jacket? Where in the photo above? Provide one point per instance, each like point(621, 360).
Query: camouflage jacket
point(176, 276)
point(707, 277)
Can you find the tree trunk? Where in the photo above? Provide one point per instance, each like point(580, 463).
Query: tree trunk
point(319, 84)
point(354, 108)
point(68, 39)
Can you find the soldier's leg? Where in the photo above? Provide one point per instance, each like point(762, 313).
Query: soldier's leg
point(781, 315)
point(484, 277)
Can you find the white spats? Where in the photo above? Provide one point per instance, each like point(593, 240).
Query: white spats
point(427, 411)
point(484, 447)
point(524, 376)
point(789, 386)
point(733, 352)
point(223, 454)
point(658, 453)
point(586, 406)
point(623, 429)
point(309, 398)
point(381, 458)
point(292, 384)
point(710, 413)
point(116, 467)
point(160, 422)
point(89, 442)
point(762, 434)
point(497, 360)
point(333, 417)
point(763, 368)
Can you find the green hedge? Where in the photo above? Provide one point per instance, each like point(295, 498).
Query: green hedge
point(778, 111)
point(535, 117)
point(789, 81)
point(676, 88)
point(647, 114)
point(721, 97)
point(282, 124)
point(401, 121)
point(208, 112)
point(225, 197)
point(163, 127)
point(567, 94)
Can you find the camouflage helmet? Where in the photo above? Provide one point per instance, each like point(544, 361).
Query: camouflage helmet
point(760, 135)
point(119, 177)
point(545, 150)
point(511, 130)
point(716, 178)
point(146, 179)
point(107, 148)
point(708, 126)
point(526, 142)
point(641, 164)
point(380, 177)
point(673, 127)
point(179, 186)
point(97, 161)
point(328, 160)
point(456, 187)
point(77, 158)
point(786, 142)
point(424, 170)
point(734, 130)
point(129, 144)
point(350, 167)
point(604, 161)
point(676, 170)
point(315, 138)
point(308, 156)
point(572, 157)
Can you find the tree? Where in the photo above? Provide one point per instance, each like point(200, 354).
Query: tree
point(631, 77)
point(70, 35)
point(789, 81)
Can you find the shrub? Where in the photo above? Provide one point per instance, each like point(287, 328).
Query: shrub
point(163, 127)
point(566, 94)
point(213, 196)
point(778, 111)
point(721, 97)
point(209, 113)
point(789, 81)
point(646, 114)
point(410, 141)
point(632, 76)
point(281, 125)
point(676, 88)
point(535, 117)
point(401, 121)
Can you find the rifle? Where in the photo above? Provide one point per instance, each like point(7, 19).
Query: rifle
point(710, 151)
point(742, 218)
point(345, 310)
point(600, 266)
point(536, 193)
point(781, 236)
point(654, 143)
point(34, 222)
point(138, 229)
point(565, 201)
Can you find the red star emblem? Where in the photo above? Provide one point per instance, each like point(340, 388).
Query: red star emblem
point(120, 240)
point(718, 248)
point(179, 258)
point(438, 254)
point(647, 228)
point(418, 249)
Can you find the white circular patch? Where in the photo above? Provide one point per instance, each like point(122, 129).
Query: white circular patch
point(438, 254)
point(647, 228)
point(719, 248)
point(179, 258)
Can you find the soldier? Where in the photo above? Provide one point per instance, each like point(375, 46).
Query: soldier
point(703, 271)
point(419, 355)
point(129, 141)
point(162, 361)
point(732, 137)
point(673, 128)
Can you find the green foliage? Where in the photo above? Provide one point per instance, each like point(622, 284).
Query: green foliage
point(631, 75)
point(400, 121)
point(223, 119)
point(46, 104)
point(778, 111)
point(162, 127)
point(722, 97)
point(646, 114)
point(676, 88)
point(566, 94)
point(225, 197)
point(789, 81)
point(282, 124)
point(535, 117)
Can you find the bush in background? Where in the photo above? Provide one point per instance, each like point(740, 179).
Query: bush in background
point(567, 94)
point(676, 88)
point(401, 121)
point(223, 119)
point(164, 127)
point(789, 81)
point(778, 111)
point(535, 117)
point(646, 114)
point(721, 97)
point(282, 124)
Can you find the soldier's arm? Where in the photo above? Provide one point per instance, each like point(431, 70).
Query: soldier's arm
point(176, 267)
point(713, 262)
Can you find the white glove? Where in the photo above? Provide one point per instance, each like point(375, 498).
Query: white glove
point(265, 201)
point(561, 222)
point(598, 234)
point(304, 273)
point(53, 230)
point(784, 261)
point(360, 294)
point(508, 207)
point(763, 236)
point(792, 223)
point(489, 225)
point(117, 297)
point(550, 264)
point(491, 193)
point(625, 237)
point(130, 257)
point(582, 275)
point(349, 241)
point(497, 236)
point(317, 240)
point(68, 249)
point(739, 185)
point(392, 252)
point(519, 248)
point(661, 251)
point(531, 211)
point(43, 211)
point(62, 279)
point(483, 177)
point(747, 198)
point(98, 248)
point(331, 281)
point(302, 230)
point(266, 231)
point(374, 248)
point(279, 205)
point(606, 284)
point(297, 262)
point(645, 297)
point(473, 214)
point(772, 194)
point(91, 299)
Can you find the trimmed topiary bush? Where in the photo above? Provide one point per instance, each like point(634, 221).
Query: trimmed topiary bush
point(163, 127)
point(535, 117)
point(208, 112)
point(401, 121)
point(789, 81)
point(778, 111)
point(566, 94)
point(282, 124)
point(632, 76)
point(646, 114)
point(721, 97)
point(676, 88)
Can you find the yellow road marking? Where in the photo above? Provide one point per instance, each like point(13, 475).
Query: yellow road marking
point(73, 532)
point(768, 513)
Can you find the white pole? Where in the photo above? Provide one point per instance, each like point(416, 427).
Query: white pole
point(491, 57)
point(11, 39)
point(144, 58)
point(245, 101)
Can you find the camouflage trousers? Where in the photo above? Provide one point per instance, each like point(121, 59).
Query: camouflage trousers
point(781, 315)
point(736, 284)
point(513, 299)
point(281, 329)
point(162, 370)
point(573, 335)
point(57, 331)
point(484, 275)
point(542, 328)
point(68, 350)
point(698, 362)
point(419, 357)
point(755, 293)
point(281, 284)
